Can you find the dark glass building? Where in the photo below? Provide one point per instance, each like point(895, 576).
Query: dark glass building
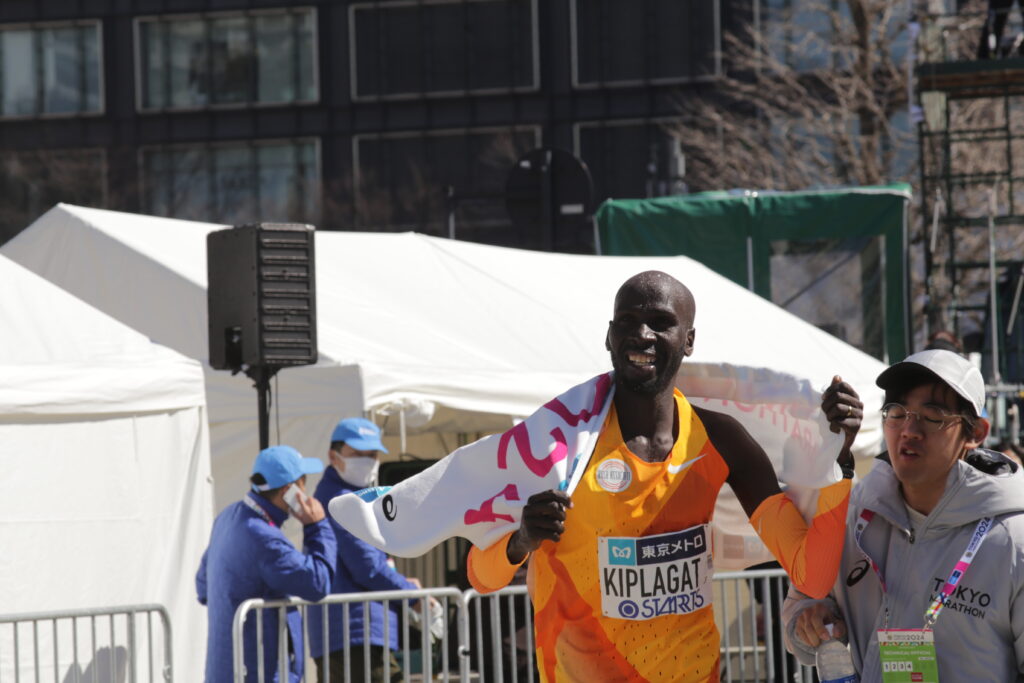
point(348, 115)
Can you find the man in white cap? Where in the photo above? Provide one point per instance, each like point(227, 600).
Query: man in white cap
point(932, 572)
point(354, 456)
point(249, 557)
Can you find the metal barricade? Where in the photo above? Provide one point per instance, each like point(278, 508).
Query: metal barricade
point(449, 650)
point(122, 644)
point(748, 609)
point(501, 635)
point(493, 637)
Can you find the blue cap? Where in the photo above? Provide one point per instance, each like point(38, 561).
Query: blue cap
point(282, 465)
point(360, 434)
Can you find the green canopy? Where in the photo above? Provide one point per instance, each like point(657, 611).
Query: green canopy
point(837, 258)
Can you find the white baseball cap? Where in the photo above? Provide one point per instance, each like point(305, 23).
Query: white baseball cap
point(946, 366)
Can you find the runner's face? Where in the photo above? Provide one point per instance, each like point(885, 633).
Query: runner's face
point(648, 337)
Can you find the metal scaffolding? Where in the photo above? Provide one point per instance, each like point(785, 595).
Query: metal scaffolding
point(972, 187)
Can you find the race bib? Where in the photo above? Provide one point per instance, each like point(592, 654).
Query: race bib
point(908, 656)
point(643, 578)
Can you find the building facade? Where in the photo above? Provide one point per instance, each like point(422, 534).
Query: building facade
point(348, 115)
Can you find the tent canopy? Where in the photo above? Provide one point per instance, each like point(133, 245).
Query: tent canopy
point(60, 356)
point(463, 337)
point(105, 452)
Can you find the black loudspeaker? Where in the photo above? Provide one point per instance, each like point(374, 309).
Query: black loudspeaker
point(261, 296)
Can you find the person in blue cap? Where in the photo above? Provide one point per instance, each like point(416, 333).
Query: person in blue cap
point(354, 456)
point(249, 557)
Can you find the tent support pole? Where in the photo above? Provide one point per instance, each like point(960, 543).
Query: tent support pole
point(401, 429)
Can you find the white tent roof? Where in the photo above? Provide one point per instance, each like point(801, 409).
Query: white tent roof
point(60, 356)
point(105, 499)
point(478, 333)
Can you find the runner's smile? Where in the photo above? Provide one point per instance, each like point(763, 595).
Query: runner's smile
point(641, 359)
point(644, 361)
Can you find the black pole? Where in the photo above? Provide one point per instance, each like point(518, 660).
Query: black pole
point(260, 375)
point(450, 205)
point(547, 201)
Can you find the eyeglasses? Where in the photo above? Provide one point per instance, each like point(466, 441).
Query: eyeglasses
point(930, 418)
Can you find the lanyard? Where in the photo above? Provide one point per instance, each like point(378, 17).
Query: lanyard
point(932, 613)
point(255, 507)
point(980, 532)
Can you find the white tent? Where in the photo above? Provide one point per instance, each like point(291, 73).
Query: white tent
point(105, 498)
point(462, 337)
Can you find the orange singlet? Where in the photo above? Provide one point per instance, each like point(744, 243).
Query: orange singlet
point(612, 603)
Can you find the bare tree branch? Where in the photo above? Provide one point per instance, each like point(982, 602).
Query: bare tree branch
point(798, 110)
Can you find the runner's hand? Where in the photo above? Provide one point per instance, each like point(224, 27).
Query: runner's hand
point(845, 412)
point(543, 520)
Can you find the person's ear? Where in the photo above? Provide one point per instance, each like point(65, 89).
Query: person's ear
point(608, 337)
point(979, 433)
point(690, 335)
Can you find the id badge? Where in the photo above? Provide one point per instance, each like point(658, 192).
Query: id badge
point(908, 656)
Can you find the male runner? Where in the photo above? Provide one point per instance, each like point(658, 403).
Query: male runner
point(621, 573)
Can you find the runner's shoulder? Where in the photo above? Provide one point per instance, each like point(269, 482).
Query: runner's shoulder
point(727, 434)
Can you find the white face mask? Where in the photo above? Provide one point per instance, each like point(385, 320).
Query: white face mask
point(360, 470)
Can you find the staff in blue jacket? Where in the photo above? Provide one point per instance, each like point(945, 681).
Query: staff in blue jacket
point(354, 453)
point(249, 557)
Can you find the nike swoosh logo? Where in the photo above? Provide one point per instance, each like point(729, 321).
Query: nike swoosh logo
point(676, 469)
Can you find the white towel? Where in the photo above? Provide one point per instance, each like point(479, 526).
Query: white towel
point(479, 490)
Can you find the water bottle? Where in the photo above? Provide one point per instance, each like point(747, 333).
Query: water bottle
point(834, 662)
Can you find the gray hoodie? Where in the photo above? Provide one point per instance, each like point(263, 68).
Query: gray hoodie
point(979, 635)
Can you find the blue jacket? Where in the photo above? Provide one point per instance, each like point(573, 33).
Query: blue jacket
point(361, 567)
point(249, 557)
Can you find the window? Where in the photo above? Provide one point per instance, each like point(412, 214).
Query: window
point(898, 151)
point(50, 69)
point(401, 177)
point(898, 33)
point(443, 47)
point(32, 182)
point(812, 35)
point(629, 159)
point(628, 42)
point(805, 274)
point(809, 144)
point(237, 59)
point(276, 181)
point(800, 35)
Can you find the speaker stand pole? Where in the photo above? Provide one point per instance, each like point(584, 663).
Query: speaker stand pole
point(547, 201)
point(260, 376)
